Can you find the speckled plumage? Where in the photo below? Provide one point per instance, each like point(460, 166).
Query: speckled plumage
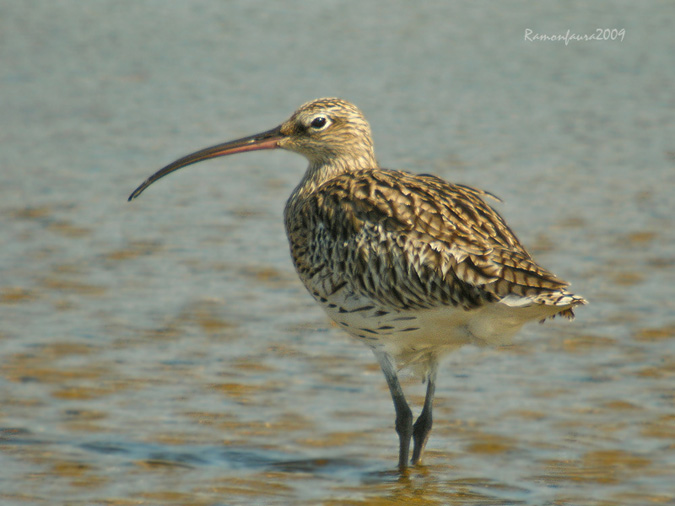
point(396, 247)
point(411, 265)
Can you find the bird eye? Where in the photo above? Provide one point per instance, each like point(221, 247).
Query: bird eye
point(319, 122)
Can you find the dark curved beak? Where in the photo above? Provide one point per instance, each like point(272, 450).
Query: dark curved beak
point(264, 140)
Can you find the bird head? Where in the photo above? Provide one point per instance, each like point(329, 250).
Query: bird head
point(330, 132)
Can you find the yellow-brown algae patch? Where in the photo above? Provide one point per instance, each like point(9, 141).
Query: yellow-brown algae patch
point(663, 427)
point(525, 414)
point(621, 405)
point(68, 229)
point(69, 468)
point(16, 295)
point(664, 370)
point(82, 393)
point(160, 464)
point(332, 439)
point(490, 444)
point(584, 342)
point(176, 439)
point(133, 250)
point(655, 334)
point(628, 278)
point(236, 390)
point(211, 324)
point(573, 222)
point(31, 213)
point(64, 349)
point(70, 286)
point(252, 365)
point(17, 369)
point(642, 237)
point(643, 499)
point(264, 486)
point(168, 497)
point(269, 276)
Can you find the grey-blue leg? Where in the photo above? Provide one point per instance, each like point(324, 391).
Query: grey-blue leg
point(404, 419)
point(422, 427)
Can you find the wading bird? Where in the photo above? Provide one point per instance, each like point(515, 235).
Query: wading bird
point(411, 265)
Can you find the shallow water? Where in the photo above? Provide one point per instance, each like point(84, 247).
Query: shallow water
point(163, 352)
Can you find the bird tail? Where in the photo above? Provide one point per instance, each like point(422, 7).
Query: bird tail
point(557, 303)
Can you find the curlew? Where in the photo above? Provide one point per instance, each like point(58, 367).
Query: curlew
point(411, 265)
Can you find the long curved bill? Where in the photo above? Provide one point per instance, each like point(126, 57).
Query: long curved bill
point(264, 140)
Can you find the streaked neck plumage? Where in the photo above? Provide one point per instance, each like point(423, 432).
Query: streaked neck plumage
point(335, 138)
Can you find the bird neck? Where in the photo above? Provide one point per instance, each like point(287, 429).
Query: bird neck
point(319, 172)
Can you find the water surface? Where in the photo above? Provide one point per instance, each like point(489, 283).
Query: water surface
point(163, 352)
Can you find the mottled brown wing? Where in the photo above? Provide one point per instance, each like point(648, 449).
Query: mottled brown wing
point(418, 241)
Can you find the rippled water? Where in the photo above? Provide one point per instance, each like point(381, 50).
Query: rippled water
point(163, 352)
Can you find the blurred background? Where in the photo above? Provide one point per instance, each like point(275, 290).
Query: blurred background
point(163, 351)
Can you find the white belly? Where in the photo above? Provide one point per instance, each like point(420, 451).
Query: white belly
point(413, 337)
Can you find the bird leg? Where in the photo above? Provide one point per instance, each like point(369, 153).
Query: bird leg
point(404, 426)
point(422, 427)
